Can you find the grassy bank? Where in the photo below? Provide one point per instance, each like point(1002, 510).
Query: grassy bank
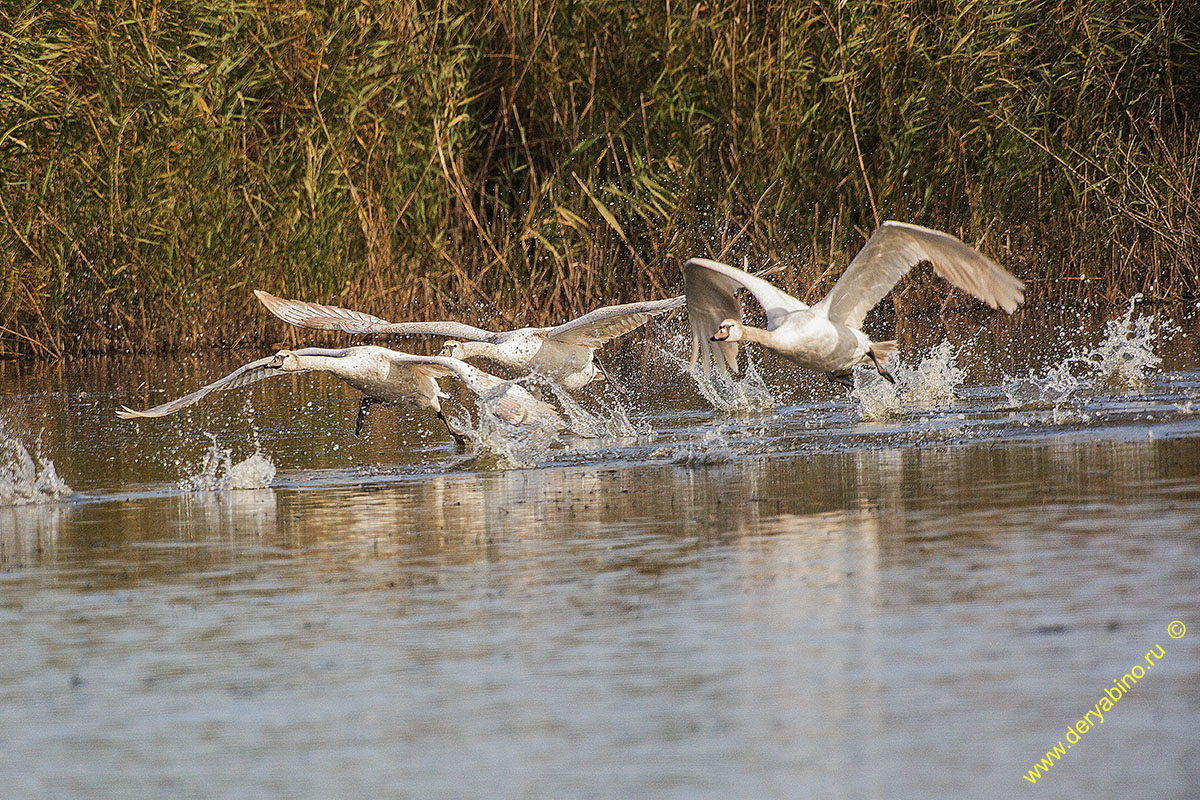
point(160, 159)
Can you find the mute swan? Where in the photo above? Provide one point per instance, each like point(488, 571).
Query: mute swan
point(827, 337)
point(383, 376)
point(563, 353)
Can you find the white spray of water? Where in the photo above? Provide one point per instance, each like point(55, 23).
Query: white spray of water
point(1126, 356)
point(611, 420)
point(713, 449)
point(1122, 361)
point(219, 473)
point(27, 478)
point(511, 446)
point(930, 384)
point(503, 445)
point(745, 395)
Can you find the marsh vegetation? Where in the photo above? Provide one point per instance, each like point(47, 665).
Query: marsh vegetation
point(524, 161)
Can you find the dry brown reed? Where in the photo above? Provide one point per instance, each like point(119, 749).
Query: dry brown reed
point(525, 160)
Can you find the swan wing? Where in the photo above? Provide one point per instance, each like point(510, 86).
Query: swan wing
point(335, 318)
point(897, 247)
point(475, 379)
point(242, 376)
point(711, 291)
point(596, 327)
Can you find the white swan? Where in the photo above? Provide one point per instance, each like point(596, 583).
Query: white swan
point(827, 337)
point(383, 376)
point(564, 353)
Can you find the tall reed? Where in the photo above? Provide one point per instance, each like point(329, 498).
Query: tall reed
point(529, 158)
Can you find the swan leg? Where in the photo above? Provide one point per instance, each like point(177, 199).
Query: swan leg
point(460, 437)
point(609, 378)
point(879, 366)
point(364, 405)
point(844, 377)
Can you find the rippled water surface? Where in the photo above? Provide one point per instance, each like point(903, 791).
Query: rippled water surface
point(905, 591)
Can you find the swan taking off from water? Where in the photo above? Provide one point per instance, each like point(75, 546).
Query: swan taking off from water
point(827, 337)
point(383, 376)
point(564, 353)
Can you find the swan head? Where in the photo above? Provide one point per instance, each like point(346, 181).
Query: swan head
point(730, 330)
point(452, 349)
point(287, 361)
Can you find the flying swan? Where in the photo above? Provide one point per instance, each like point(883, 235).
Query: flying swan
point(827, 337)
point(564, 353)
point(383, 376)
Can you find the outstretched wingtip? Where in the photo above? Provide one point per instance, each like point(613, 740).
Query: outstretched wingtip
point(266, 298)
point(125, 412)
point(702, 262)
point(1011, 296)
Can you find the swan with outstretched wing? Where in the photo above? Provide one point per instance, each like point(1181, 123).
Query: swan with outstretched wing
point(564, 353)
point(384, 376)
point(827, 337)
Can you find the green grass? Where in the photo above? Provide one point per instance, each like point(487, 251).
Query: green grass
point(531, 159)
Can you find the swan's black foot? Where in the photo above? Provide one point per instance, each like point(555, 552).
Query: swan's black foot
point(879, 366)
point(460, 437)
point(364, 405)
point(845, 378)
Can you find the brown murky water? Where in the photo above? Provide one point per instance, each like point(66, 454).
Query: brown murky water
point(906, 595)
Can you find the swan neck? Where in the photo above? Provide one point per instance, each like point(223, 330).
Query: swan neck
point(757, 335)
point(311, 362)
point(477, 349)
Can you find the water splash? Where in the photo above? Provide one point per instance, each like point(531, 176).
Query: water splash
point(931, 384)
point(219, 473)
point(1122, 361)
point(611, 420)
point(27, 478)
point(504, 446)
point(1053, 387)
point(1126, 356)
point(746, 395)
point(501, 445)
point(713, 449)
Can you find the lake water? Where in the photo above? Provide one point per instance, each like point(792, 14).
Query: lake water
point(905, 592)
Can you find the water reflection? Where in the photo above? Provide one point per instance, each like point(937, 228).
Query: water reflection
point(887, 497)
point(28, 532)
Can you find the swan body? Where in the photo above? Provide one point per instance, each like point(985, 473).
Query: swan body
point(827, 337)
point(571, 365)
point(564, 353)
point(383, 376)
